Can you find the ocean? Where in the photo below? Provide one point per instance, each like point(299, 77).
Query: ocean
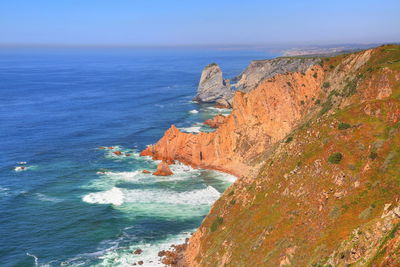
point(75, 204)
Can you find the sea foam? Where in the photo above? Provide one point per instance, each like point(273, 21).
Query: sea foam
point(113, 196)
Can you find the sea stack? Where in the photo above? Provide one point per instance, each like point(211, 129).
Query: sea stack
point(163, 169)
point(213, 87)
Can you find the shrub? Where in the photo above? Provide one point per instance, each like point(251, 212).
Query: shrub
point(326, 107)
point(317, 102)
point(289, 139)
point(232, 202)
point(331, 67)
point(302, 102)
point(326, 85)
point(315, 75)
point(343, 126)
point(373, 155)
point(335, 158)
point(231, 193)
point(289, 84)
point(217, 222)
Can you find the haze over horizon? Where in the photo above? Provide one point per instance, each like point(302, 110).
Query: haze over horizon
point(173, 23)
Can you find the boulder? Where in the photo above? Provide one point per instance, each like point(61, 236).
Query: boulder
point(118, 153)
point(146, 171)
point(163, 169)
point(138, 251)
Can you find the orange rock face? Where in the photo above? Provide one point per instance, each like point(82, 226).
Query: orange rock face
point(216, 121)
point(163, 169)
point(146, 171)
point(258, 119)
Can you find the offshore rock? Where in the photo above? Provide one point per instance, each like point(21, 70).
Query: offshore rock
point(163, 169)
point(212, 86)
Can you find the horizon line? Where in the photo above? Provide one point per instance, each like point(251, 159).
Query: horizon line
point(227, 45)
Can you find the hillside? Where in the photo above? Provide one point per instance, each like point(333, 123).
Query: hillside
point(318, 156)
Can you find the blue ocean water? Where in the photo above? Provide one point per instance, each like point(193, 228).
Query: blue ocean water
point(76, 204)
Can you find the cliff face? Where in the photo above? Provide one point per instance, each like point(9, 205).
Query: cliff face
point(258, 120)
point(328, 193)
point(212, 86)
point(260, 70)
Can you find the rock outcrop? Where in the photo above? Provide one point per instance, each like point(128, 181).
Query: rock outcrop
point(163, 169)
point(216, 121)
point(259, 70)
point(213, 87)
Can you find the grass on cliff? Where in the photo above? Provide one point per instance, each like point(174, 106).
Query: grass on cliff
point(280, 209)
point(300, 200)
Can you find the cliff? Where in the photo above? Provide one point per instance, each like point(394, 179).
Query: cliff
point(318, 156)
point(258, 119)
point(260, 70)
point(213, 87)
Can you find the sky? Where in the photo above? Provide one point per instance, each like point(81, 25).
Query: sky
point(203, 22)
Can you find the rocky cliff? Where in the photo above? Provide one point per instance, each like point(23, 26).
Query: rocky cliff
point(213, 87)
point(258, 120)
point(318, 156)
point(260, 70)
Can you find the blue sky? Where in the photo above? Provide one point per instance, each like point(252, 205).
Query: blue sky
point(205, 22)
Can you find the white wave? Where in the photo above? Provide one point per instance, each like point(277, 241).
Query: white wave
point(205, 196)
point(124, 256)
point(4, 191)
point(225, 176)
point(113, 196)
point(222, 111)
point(194, 111)
point(43, 197)
point(118, 196)
point(34, 257)
point(21, 168)
point(192, 129)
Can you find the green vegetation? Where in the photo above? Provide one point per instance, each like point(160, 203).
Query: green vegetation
point(231, 193)
point(343, 126)
point(315, 75)
point(302, 102)
point(326, 85)
point(289, 139)
point(217, 222)
point(373, 155)
point(317, 102)
point(212, 65)
point(335, 158)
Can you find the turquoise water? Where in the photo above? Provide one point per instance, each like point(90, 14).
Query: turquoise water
point(76, 204)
